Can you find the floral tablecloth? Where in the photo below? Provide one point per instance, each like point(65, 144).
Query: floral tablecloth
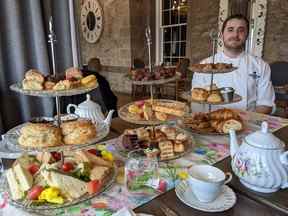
point(207, 150)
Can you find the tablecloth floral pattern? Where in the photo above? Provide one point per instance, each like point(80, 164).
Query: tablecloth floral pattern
point(207, 150)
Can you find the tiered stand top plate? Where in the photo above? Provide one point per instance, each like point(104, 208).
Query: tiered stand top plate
point(154, 82)
point(125, 115)
point(47, 208)
point(212, 71)
point(187, 96)
point(17, 87)
point(13, 135)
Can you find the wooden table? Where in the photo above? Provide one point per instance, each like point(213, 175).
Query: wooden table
point(248, 202)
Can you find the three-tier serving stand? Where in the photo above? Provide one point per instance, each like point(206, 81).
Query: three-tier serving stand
point(10, 139)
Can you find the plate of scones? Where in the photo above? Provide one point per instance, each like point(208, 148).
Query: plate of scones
point(217, 122)
point(46, 136)
point(152, 112)
point(72, 83)
point(164, 142)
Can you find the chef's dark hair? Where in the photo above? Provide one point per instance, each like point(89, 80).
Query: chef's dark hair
point(236, 16)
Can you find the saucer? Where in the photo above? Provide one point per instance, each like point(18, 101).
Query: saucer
point(224, 201)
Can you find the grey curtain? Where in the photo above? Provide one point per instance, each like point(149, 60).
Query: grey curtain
point(23, 45)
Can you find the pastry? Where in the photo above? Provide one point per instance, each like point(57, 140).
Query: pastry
point(31, 85)
point(40, 135)
point(224, 114)
point(232, 124)
point(89, 81)
point(179, 147)
point(214, 98)
point(34, 75)
point(166, 149)
point(199, 94)
point(177, 109)
point(78, 132)
point(169, 131)
point(143, 134)
point(48, 85)
point(161, 116)
point(159, 135)
point(62, 85)
point(130, 141)
point(73, 73)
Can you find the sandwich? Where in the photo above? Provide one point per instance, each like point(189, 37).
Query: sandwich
point(177, 109)
point(19, 181)
point(85, 156)
point(99, 173)
point(71, 188)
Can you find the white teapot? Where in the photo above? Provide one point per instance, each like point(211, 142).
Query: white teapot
point(91, 110)
point(260, 162)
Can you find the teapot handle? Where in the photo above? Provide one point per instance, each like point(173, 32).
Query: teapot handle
point(68, 109)
point(284, 158)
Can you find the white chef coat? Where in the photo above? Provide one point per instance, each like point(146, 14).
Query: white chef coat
point(254, 92)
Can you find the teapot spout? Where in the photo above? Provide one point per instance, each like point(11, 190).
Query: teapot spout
point(108, 119)
point(233, 142)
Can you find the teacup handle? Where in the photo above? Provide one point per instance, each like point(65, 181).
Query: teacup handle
point(68, 109)
point(228, 177)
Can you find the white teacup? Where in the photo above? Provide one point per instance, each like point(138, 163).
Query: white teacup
point(206, 182)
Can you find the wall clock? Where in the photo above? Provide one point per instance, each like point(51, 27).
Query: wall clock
point(91, 20)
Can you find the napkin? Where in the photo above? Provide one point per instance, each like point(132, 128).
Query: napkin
point(128, 212)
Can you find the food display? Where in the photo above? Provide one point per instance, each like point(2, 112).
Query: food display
point(152, 111)
point(71, 83)
point(163, 142)
point(217, 122)
point(144, 74)
point(212, 68)
point(42, 181)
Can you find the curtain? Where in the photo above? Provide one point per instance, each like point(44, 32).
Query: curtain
point(24, 45)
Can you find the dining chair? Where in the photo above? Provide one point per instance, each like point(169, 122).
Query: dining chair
point(279, 78)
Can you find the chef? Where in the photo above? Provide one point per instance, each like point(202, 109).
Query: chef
point(251, 80)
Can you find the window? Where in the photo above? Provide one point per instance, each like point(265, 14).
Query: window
point(171, 27)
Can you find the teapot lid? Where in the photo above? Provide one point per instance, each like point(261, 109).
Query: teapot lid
point(88, 104)
point(264, 139)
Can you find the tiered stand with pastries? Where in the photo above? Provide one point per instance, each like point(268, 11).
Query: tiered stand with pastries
point(11, 138)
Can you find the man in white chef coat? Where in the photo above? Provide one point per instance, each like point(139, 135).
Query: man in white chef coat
point(252, 78)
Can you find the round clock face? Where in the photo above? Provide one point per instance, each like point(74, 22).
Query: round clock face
point(91, 20)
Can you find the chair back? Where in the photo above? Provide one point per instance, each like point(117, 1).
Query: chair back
point(279, 73)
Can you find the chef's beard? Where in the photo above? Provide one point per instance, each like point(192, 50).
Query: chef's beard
point(235, 48)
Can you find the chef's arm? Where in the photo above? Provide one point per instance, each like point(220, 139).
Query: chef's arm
point(264, 109)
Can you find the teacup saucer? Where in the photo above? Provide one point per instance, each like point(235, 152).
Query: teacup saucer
point(225, 201)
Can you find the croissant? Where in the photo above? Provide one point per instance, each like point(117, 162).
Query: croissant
point(217, 125)
point(224, 114)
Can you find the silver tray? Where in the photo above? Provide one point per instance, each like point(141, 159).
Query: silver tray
point(154, 82)
point(214, 71)
point(47, 208)
point(132, 118)
point(17, 87)
point(187, 96)
point(124, 152)
point(11, 138)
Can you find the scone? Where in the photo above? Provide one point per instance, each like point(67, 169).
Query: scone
point(31, 85)
point(214, 98)
point(34, 75)
point(78, 132)
point(232, 124)
point(89, 81)
point(40, 135)
point(199, 94)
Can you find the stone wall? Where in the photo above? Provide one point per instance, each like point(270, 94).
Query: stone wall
point(114, 47)
point(276, 35)
point(202, 18)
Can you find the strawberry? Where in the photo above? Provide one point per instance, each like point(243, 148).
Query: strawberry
point(33, 168)
point(94, 186)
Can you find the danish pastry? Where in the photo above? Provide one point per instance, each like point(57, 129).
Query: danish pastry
point(214, 98)
point(199, 94)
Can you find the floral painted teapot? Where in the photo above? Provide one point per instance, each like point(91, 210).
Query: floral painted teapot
point(260, 162)
point(91, 110)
